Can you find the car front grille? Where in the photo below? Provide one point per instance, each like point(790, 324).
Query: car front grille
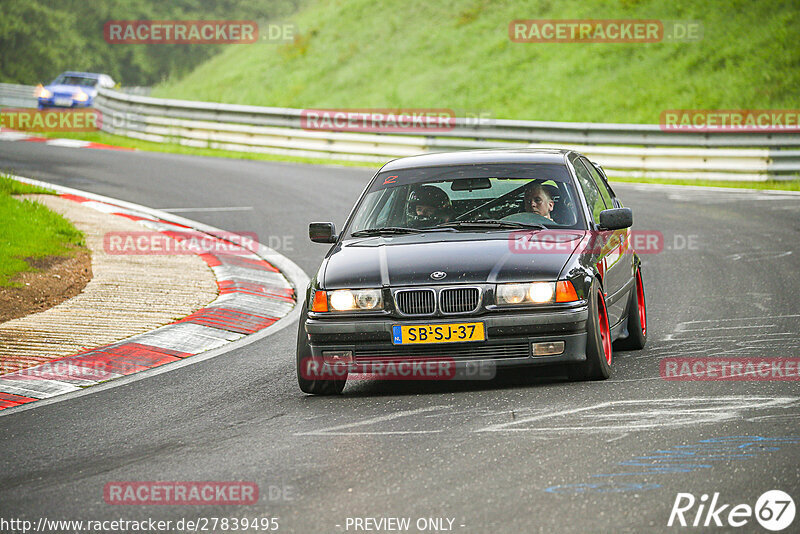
point(457, 352)
point(416, 301)
point(459, 299)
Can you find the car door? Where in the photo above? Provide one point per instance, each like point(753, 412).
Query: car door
point(606, 243)
point(620, 255)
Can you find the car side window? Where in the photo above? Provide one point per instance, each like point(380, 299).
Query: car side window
point(590, 191)
point(601, 184)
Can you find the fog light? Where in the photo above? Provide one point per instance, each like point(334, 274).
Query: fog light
point(338, 356)
point(548, 348)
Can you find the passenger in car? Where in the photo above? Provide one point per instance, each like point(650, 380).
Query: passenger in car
point(539, 200)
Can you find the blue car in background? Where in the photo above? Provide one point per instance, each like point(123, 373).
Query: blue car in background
point(72, 90)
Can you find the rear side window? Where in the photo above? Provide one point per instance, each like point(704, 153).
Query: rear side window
point(601, 185)
point(590, 191)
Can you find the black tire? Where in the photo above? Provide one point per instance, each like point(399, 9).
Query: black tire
point(598, 353)
point(313, 386)
point(637, 318)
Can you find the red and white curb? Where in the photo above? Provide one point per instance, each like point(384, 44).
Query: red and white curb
point(258, 295)
point(15, 135)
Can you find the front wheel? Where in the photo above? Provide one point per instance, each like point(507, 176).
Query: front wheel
point(598, 341)
point(308, 366)
point(637, 318)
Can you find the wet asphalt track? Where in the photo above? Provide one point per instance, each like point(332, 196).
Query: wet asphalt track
point(520, 453)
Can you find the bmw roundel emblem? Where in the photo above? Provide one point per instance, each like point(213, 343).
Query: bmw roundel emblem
point(438, 275)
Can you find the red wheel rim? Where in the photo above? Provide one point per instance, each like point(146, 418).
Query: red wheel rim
point(640, 299)
point(605, 335)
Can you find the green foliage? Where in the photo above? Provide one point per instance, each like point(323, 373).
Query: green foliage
point(457, 54)
point(41, 38)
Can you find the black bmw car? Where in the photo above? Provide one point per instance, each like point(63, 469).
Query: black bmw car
point(511, 257)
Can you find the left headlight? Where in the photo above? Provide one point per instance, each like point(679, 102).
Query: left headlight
point(80, 96)
point(347, 300)
point(535, 293)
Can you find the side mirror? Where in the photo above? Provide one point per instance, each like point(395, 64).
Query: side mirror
point(322, 232)
point(616, 219)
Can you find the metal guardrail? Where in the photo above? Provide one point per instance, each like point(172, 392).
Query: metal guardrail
point(17, 96)
point(637, 150)
point(623, 149)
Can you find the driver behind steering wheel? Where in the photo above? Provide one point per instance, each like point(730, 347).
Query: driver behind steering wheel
point(428, 206)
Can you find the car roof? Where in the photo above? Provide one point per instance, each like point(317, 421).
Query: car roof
point(487, 156)
point(84, 74)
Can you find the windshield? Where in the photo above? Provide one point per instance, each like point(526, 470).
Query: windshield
point(66, 79)
point(469, 196)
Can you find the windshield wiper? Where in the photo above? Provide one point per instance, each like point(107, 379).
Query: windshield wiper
point(388, 230)
point(492, 223)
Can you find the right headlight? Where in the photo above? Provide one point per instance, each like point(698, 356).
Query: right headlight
point(42, 92)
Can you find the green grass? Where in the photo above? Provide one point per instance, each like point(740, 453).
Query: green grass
point(457, 54)
point(170, 148)
point(30, 230)
point(9, 186)
point(780, 185)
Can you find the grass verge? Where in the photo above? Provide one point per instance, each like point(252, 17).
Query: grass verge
point(777, 185)
point(172, 148)
point(29, 230)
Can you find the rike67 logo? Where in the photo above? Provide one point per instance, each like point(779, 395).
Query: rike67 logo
point(774, 510)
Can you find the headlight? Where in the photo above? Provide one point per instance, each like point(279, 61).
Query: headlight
point(511, 293)
point(541, 292)
point(347, 300)
point(535, 293)
point(80, 96)
point(41, 92)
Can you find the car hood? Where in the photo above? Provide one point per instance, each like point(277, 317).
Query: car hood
point(71, 89)
point(466, 258)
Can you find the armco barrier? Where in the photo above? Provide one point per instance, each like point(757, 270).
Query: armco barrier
point(17, 96)
point(636, 150)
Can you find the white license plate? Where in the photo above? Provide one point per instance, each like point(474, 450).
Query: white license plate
point(62, 101)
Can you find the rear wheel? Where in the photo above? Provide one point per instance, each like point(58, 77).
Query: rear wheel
point(308, 366)
point(637, 318)
point(598, 341)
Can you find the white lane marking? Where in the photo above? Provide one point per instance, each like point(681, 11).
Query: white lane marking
point(645, 414)
point(729, 328)
point(741, 319)
point(226, 208)
point(758, 256)
point(69, 143)
point(335, 430)
point(13, 136)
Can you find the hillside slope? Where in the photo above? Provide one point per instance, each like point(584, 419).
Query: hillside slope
point(458, 55)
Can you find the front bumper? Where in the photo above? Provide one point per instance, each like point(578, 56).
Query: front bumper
point(63, 103)
point(509, 336)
